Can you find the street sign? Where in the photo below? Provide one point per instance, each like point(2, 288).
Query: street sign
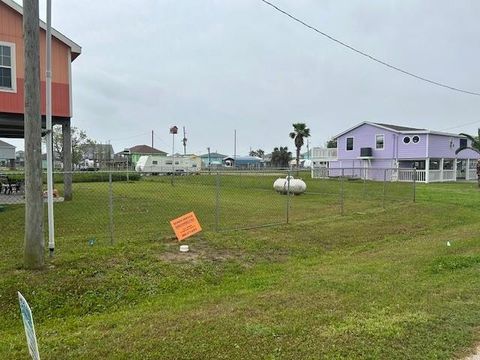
point(185, 226)
point(29, 327)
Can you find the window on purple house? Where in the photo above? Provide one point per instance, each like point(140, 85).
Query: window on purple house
point(448, 164)
point(434, 164)
point(379, 141)
point(350, 143)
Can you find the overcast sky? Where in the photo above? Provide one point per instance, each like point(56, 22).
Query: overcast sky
point(218, 65)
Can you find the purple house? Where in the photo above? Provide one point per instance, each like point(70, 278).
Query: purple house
point(366, 149)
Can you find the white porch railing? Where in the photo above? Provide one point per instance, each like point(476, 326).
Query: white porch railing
point(410, 174)
point(472, 174)
point(320, 173)
point(449, 175)
point(323, 154)
point(405, 175)
point(435, 175)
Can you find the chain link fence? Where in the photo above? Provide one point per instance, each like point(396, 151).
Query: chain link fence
point(120, 206)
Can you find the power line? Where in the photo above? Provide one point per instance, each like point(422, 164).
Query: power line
point(461, 125)
point(130, 137)
point(160, 139)
point(393, 67)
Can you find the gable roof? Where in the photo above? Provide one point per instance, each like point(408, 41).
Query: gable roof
point(398, 129)
point(3, 144)
point(213, 154)
point(75, 48)
point(145, 149)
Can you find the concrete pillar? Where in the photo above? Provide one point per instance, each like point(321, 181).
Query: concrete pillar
point(67, 160)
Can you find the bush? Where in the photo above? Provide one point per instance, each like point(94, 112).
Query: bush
point(82, 177)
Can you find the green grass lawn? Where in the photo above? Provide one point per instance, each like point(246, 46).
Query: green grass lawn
point(378, 282)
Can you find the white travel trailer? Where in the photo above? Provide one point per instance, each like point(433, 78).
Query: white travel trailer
point(189, 164)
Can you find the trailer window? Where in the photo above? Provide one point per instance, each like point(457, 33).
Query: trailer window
point(169, 162)
point(155, 162)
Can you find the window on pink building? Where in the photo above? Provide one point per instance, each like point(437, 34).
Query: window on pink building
point(7, 67)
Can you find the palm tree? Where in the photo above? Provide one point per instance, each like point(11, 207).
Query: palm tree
point(475, 145)
point(300, 131)
point(281, 157)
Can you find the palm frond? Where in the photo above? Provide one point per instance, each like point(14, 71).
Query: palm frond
point(469, 137)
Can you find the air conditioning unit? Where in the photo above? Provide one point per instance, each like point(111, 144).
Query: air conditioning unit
point(366, 152)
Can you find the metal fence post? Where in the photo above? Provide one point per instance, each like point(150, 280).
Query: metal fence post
point(384, 187)
point(414, 183)
point(110, 206)
point(341, 191)
point(364, 182)
point(288, 197)
point(217, 202)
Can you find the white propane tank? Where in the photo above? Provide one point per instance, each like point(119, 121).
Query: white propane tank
point(297, 186)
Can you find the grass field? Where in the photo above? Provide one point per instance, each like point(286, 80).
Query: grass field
point(377, 282)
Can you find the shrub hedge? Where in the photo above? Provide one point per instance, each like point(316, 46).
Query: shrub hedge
point(81, 177)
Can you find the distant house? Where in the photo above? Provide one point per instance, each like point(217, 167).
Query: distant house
point(57, 161)
point(214, 159)
point(243, 162)
point(7, 155)
point(367, 148)
point(99, 155)
point(136, 151)
point(20, 158)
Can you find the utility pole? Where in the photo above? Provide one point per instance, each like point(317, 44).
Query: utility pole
point(34, 242)
point(209, 160)
point(173, 131)
point(152, 139)
point(184, 141)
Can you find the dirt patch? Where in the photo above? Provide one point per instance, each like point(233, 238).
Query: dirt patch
point(475, 356)
point(199, 251)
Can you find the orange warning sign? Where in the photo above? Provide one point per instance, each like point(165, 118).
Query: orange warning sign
point(185, 226)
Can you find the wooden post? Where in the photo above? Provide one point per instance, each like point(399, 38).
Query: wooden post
point(34, 242)
point(67, 160)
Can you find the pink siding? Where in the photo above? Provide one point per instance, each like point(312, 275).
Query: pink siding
point(11, 31)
